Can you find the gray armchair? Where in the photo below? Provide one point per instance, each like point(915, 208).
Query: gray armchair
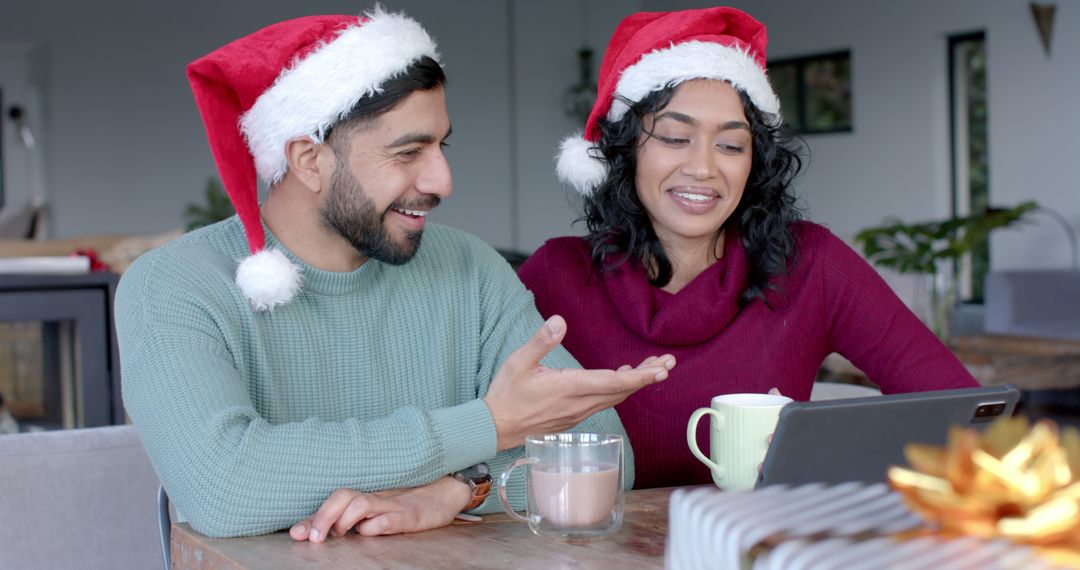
point(78, 498)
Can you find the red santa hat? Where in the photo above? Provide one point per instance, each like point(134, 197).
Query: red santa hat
point(292, 79)
point(653, 50)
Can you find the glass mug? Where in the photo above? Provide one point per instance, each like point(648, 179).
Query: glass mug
point(574, 485)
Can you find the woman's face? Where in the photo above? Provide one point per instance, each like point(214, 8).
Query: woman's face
point(692, 170)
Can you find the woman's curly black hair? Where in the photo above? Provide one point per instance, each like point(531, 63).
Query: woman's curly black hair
point(619, 226)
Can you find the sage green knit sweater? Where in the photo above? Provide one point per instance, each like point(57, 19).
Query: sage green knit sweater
point(368, 380)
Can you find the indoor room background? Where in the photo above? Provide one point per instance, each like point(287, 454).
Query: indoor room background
point(118, 146)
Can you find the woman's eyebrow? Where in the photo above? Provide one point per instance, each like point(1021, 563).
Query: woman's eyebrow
point(688, 120)
point(677, 116)
point(731, 125)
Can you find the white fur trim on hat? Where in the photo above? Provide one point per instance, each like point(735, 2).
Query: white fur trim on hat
point(694, 60)
point(268, 279)
point(317, 91)
point(576, 165)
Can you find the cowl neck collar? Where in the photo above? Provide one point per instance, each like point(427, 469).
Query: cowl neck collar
point(697, 313)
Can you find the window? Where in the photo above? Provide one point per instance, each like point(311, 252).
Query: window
point(815, 92)
point(969, 141)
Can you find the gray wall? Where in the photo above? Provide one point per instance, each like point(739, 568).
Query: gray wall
point(124, 150)
point(127, 151)
point(896, 162)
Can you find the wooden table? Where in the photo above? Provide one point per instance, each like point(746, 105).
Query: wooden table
point(1028, 362)
point(497, 542)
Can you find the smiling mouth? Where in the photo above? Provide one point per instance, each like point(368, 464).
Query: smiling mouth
point(412, 213)
point(695, 194)
point(701, 198)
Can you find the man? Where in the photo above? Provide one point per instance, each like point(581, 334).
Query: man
point(342, 354)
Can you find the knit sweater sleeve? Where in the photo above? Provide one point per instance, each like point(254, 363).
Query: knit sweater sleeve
point(871, 326)
point(509, 321)
point(233, 472)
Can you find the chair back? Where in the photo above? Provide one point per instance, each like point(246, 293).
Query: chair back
point(165, 516)
point(79, 498)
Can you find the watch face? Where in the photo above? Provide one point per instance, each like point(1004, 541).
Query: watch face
point(475, 472)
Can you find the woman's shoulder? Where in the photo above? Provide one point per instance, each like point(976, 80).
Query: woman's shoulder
point(563, 251)
point(805, 229)
point(565, 245)
point(818, 249)
point(812, 238)
point(559, 258)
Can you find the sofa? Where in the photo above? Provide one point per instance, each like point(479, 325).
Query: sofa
point(1037, 303)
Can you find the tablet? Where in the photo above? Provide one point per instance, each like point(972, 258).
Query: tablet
point(858, 439)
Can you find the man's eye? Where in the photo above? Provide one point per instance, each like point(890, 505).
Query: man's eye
point(411, 153)
point(444, 144)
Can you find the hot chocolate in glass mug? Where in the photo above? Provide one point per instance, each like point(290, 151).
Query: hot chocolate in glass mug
point(739, 438)
point(574, 485)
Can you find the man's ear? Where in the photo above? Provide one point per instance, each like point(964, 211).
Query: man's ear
point(303, 156)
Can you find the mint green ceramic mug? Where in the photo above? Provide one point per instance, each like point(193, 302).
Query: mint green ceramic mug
point(741, 426)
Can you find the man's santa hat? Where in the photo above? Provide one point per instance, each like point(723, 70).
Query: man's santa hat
point(292, 79)
point(653, 50)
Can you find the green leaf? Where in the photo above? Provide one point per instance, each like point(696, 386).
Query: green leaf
point(217, 207)
point(917, 248)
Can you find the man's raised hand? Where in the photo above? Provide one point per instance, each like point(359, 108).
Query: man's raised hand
point(526, 397)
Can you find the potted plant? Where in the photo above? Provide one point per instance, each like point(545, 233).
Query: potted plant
point(933, 248)
point(217, 207)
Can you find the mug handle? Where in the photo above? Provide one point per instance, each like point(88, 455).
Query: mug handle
point(691, 436)
point(503, 479)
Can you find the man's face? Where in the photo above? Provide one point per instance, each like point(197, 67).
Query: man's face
point(388, 175)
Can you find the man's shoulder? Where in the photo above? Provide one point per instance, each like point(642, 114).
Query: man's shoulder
point(201, 257)
point(203, 246)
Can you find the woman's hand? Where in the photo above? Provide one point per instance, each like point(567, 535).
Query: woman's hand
point(388, 512)
point(774, 391)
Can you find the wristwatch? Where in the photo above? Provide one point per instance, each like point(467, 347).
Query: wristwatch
point(478, 479)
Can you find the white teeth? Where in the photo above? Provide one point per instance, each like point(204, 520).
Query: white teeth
point(693, 197)
point(420, 213)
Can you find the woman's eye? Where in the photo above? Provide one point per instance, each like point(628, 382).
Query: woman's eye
point(673, 141)
point(731, 148)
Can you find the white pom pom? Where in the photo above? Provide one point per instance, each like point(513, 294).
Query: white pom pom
point(577, 167)
point(268, 279)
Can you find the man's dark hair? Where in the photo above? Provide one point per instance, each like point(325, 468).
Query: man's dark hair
point(619, 226)
point(422, 75)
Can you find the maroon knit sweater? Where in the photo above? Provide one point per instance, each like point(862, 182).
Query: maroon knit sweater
point(832, 301)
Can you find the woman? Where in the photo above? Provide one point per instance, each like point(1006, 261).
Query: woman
point(695, 248)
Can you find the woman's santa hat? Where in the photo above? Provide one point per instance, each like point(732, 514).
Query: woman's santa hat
point(292, 79)
point(653, 50)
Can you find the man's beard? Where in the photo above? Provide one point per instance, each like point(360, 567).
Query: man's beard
point(352, 214)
